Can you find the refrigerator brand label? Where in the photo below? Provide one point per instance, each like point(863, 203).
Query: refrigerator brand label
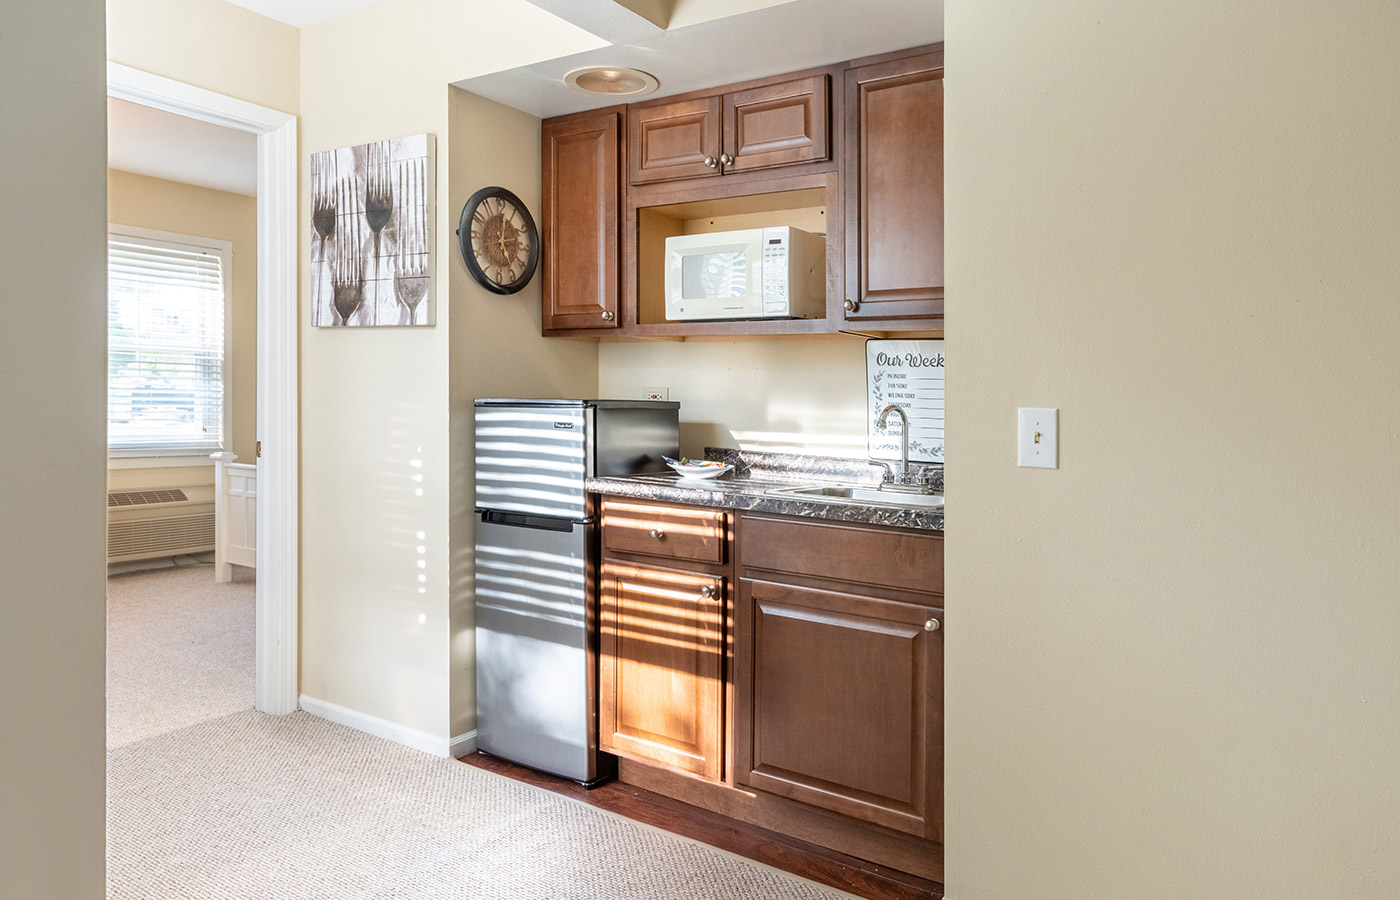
point(563, 424)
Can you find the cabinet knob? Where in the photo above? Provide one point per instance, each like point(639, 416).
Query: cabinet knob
point(931, 625)
point(708, 592)
point(607, 315)
point(851, 305)
point(711, 161)
point(726, 160)
point(657, 533)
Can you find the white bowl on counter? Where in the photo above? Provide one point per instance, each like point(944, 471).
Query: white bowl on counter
point(701, 472)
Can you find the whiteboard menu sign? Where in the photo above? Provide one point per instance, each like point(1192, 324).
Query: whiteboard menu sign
point(908, 374)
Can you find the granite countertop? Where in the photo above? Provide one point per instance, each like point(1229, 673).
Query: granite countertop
point(756, 474)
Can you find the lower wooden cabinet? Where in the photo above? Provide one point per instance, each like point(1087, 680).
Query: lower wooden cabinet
point(782, 670)
point(661, 666)
point(839, 702)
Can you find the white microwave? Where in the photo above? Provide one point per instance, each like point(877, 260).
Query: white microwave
point(756, 273)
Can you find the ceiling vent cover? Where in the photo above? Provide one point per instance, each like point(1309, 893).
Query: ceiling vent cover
point(613, 80)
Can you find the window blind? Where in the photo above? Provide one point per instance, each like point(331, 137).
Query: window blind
point(165, 346)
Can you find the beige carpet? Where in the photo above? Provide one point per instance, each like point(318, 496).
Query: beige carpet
point(179, 650)
point(296, 808)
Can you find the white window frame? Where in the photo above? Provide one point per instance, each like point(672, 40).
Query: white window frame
point(149, 458)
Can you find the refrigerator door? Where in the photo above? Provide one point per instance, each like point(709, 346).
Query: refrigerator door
point(534, 666)
point(532, 459)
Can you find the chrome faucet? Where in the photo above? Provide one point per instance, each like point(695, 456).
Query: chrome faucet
point(901, 480)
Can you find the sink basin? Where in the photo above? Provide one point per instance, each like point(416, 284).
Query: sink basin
point(866, 496)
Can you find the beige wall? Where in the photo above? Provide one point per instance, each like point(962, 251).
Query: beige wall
point(495, 345)
point(1171, 663)
point(53, 353)
point(377, 454)
point(186, 209)
point(800, 395)
point(210, 44)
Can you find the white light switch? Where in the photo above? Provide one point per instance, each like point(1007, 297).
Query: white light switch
point(1038, 438)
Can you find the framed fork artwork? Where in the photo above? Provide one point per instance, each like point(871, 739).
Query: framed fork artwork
point(372, 234)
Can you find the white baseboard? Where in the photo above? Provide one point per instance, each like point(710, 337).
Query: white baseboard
point(463, 744)
point(460, 745)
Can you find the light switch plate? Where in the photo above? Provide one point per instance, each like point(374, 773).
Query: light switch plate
point(1038, 438)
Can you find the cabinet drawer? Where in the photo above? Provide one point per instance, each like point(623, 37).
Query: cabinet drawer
point(672, 532)
point(842, 552)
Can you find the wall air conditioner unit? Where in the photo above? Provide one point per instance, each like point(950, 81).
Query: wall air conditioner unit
point(146, 524)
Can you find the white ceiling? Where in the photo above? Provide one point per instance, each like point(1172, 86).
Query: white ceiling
point(302, 13)
point(163, 145)
point(767, 41)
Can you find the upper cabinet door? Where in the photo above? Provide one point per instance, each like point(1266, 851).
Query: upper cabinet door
point(778, 125)
point(893, 172)
point(581, 168)
point(674, 140)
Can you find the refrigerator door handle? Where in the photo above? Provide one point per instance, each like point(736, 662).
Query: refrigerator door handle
point(524, 520)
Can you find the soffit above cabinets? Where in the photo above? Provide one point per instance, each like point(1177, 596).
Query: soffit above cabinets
point(301, 13)
point(787, 37)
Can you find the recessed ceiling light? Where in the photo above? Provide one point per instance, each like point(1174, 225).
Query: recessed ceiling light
point(615, 80)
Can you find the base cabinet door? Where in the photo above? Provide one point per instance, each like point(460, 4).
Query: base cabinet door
point(838, 702)
point(893, 173)
point(580, 168)
point(661, 666)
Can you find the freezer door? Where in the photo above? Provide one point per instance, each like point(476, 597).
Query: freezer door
point(534, 666)
point(532, 459)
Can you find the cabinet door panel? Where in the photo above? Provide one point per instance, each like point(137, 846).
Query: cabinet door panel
point(839, 703)
point(671, 140)
point(660, 682)
point(894, 188)
point(778, 125)
point(580, 230)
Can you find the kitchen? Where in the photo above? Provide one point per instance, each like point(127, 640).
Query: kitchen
point(713, 615)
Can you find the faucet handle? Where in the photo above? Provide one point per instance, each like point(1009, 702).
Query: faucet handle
point(888, 477)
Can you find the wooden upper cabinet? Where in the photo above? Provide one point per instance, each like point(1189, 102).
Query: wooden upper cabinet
point(674, 140)
point(839, 702)
point(893, 174)
point(778, 124)
point(661, 667)
point(580, 179)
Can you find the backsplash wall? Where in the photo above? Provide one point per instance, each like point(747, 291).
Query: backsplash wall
point(799, 395)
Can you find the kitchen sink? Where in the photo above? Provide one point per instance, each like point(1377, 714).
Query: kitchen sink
point(866, 496)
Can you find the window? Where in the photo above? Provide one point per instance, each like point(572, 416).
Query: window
point(167, 308)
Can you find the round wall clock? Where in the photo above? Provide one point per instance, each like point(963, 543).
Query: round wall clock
point(499, 241)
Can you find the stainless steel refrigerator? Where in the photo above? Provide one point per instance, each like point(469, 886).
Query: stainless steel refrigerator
point(536, 606)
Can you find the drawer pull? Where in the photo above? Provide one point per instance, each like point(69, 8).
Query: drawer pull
point(931, 625)
point(708, 592)
point(657, 533)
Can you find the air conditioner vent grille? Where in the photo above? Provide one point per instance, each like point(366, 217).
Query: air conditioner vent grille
point(143, 498)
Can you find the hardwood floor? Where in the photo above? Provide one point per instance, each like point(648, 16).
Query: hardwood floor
point(824, 866)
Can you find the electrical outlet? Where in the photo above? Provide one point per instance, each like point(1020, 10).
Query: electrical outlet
point(656, 393)
point(1038, 438)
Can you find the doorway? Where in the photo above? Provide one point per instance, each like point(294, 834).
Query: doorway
point(275, 617)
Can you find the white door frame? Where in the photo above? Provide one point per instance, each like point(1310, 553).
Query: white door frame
point(275, 677)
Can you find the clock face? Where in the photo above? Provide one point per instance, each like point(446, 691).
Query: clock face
point(498, 240)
